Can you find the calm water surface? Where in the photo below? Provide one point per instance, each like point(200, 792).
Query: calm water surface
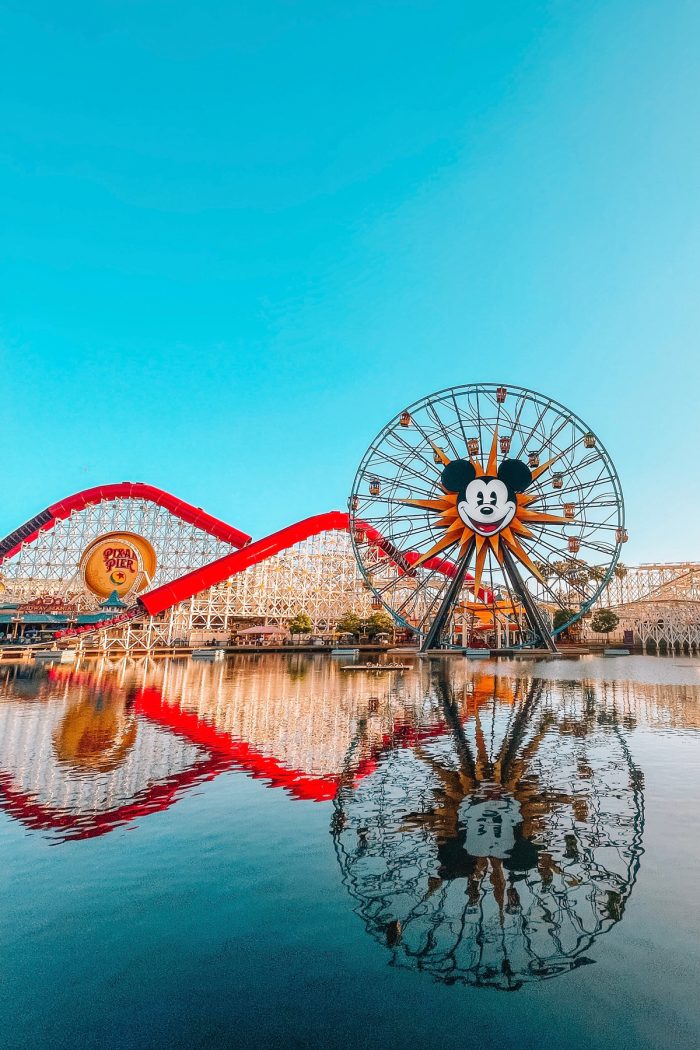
point(273, 851)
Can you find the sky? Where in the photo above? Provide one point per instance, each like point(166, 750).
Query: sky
point(237, 239)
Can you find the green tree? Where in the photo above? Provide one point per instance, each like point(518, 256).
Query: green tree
point(349, 623)
point(561, 617)
point(378, 623)
point(604, 621)
point(300, 624)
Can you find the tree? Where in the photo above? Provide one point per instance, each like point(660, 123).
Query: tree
point(378, 623)
point(349, 623)
point(300, 624)
point(561, 617)
point(604, 621)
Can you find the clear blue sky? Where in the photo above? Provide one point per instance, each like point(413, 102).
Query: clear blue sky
point(237, 238)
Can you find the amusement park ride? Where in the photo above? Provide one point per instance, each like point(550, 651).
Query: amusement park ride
point(496, 479)
point(483, 516)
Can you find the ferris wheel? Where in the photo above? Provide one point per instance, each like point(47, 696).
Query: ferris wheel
point(487, 515)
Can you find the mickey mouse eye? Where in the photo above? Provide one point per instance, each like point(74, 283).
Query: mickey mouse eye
point(494, 499)
point(479, 499)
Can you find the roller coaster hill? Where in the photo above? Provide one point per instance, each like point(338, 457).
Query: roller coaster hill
point(129, 567)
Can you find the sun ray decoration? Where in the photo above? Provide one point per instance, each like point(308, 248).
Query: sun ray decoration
point(502, 486)
point(457, 532)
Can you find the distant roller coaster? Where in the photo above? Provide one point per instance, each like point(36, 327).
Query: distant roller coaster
point(205, 577)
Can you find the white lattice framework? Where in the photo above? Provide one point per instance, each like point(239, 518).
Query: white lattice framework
point(27, 753)
point(659, 602)
point(49, 564)
point(318, 576)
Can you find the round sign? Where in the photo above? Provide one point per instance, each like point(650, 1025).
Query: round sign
point(119, 561)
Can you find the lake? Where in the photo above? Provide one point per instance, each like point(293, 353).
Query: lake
point(272, 851)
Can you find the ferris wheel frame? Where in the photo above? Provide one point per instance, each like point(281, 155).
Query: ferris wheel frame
point(543, 404)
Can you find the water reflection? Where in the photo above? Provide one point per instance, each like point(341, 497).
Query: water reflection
point(497, 844)
point(487, 821)
point(84, 751)
point(98, 730)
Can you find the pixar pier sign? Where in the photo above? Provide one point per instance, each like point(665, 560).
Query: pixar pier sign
point(118, 561)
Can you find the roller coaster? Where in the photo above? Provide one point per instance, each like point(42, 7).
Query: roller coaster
point(207, 577)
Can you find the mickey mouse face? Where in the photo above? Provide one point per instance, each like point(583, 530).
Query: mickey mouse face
point(486, 504)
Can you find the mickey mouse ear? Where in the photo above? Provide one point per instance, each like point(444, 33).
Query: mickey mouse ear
point(515, 474)
point(457, 475)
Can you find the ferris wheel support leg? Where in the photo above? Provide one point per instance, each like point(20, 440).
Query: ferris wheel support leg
point(452, 717)
point(432, 638)
point(534, 615)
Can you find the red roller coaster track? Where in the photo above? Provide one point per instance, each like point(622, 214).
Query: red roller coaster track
point(46, 519)
point(162, 598)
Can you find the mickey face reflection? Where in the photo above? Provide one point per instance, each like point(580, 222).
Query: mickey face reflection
point(486, 504)
point(489, 825)
point(482, 852)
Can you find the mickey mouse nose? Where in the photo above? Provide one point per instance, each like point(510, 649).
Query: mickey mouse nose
point(487, 510)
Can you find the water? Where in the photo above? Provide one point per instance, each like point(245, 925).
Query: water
point(273, 851)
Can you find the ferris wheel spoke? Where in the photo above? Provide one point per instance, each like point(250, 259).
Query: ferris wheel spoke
point(420, 588)
point(432, 411)
point(559, 553)
point(415, 449)
point(515, 426)
point(410, 470)
point(375, 469)
point(580, 488)
point(458, 415)
point(478, 421)
point(534, 429)
point(393, 502)
point(557, 598)
point(600, 548)
point(601, 526)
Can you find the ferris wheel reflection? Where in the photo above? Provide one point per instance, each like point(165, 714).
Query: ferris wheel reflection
point(495, 851)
